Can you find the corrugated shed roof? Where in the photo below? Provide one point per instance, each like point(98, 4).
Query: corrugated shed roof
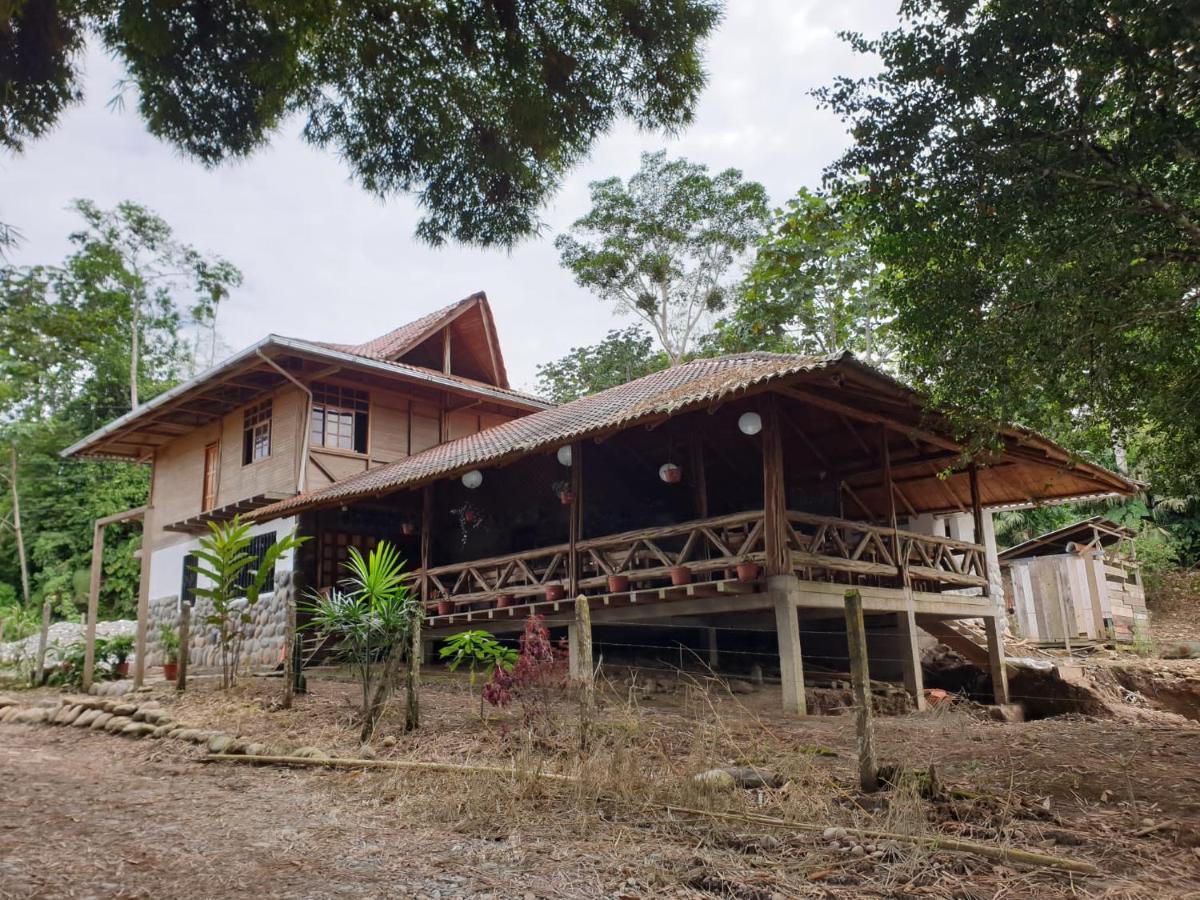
point(657, 394)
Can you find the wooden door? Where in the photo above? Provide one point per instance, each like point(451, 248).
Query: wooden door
point(209, 497)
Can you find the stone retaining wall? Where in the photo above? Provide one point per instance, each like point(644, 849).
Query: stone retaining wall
point(263, 644)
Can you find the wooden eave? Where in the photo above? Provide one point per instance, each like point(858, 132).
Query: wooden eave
point(199, 524)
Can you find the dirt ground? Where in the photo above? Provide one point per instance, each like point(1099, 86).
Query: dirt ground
point(89, 814)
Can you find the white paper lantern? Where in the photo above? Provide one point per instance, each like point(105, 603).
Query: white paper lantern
point(564, 454)
point(472, 479)
point(750, 423)
point(670, 473)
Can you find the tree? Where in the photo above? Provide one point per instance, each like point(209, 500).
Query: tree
point(232, 580)
point(479, 108)
point(620, 357)
point(130, 256)
point(662, 246)
point(813, 287)
point(1029, 176)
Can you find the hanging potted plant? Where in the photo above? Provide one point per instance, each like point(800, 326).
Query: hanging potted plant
point(618, 584)
point(748, 571)
point(563, 489)
point(407, 528)
point(680, 575)
point(169, 638)
point(469, 517)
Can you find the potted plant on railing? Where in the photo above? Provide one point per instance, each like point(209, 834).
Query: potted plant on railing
point(504, 601)
point(119, 650)
point(680, 575)
point(445, 606)
point(748, 571)
point(554, 592)
point(563, 490)
point(618, 584)
point(169, 638)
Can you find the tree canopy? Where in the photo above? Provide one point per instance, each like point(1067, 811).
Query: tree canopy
point(1028, 176)
point(478, 108)
point(620, 357)
point(664, 246)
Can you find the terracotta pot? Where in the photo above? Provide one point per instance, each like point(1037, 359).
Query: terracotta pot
point(554, 592)
point(122, 669)
point(504, 601)
point(407, 529)
point(681, 575)
point(445, 607)
point(618, 584)
point(566, 498)
point(170, 671)
point(936, 696)
point(748, 571)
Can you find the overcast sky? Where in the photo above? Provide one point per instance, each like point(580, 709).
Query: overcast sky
point(324, 260)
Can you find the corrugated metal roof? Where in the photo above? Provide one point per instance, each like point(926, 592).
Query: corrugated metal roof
point(658, 394)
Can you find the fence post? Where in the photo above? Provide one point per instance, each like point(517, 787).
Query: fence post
point(585, 672)
point(40, 672)
point(289, 652)
point(412, 680)
point(860, 678)
point(185, 638)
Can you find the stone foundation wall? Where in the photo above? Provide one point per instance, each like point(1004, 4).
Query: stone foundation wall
point(263, 642)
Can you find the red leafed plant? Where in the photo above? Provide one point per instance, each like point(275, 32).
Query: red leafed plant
point(539, 673)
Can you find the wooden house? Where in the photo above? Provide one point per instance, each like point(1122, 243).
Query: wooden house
point(1081, 581)
point(733, 496)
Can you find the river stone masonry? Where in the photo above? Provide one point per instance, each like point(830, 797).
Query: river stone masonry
point(264, 637)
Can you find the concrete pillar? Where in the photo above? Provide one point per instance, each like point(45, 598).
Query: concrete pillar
point(910, 656)
point(784, 591)
point(995, 647)
point(713, 656)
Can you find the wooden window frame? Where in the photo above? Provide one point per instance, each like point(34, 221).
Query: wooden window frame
point(208, 483)
point(256, 432)
point(350, 407)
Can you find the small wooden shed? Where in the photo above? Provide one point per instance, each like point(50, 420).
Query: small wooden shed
point(1081, 581)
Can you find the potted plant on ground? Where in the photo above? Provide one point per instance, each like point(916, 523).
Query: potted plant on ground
point(169, 638)
point(563, 489)
point(119, 650)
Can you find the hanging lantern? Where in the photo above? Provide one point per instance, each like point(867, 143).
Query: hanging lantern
point(670, 473)
point(472, 479)
point(750, 423)
point(564, 454)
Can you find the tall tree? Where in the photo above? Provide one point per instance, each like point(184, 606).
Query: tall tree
point(1030, 174)
point(620, 357)
point(477, 107)
point(129, 256)
point(663, 246)
point(813, 287)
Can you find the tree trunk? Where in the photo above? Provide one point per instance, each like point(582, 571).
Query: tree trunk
point(16, 524)
point(412, 682)
point(383, 691)
point(135, 325)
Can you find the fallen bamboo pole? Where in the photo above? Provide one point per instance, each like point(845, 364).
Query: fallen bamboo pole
point(957, 845)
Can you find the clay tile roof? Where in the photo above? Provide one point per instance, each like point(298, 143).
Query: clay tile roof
point(660, 393)
point(399, 340)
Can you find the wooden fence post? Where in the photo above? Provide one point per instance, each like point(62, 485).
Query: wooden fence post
point(289, 652)
point(412, 680)
point(185, 638)
point(860, 678)
point(585, 672)
point(40, 672)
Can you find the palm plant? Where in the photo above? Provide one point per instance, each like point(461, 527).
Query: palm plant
point(224, 561)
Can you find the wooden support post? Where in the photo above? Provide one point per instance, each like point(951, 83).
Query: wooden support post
point(40, 672)
point(996, 664)
point(575, 520)
point(778, 556)
point(185, 639)
point(860, 678)
point(910, 656)
point(585, 669)
point(698, 479)
point(93, 607)
point(783, 590)
point(143, 604)
point(426, 539)
point(412, 678)
point(714, 657)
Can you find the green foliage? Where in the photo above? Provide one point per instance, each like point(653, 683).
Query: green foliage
point(370, 618)
point(813, 287)
point(119, 648)
point(16, 620)
point(477, 108)
point(481, 652)
point(620, 357)
point(168, 637)
point(1027, 174)
point(662, 247)
point(223, 558)
point(69, 670)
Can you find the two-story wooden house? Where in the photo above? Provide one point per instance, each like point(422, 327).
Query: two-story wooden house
point(727, 503)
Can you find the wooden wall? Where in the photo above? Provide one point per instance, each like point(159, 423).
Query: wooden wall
point(1068, 595)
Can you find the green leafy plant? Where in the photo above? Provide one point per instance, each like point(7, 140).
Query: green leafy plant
point(118, 649)
point(370, 614)
point(481, 652)
point(224, 558)
point(169, 638)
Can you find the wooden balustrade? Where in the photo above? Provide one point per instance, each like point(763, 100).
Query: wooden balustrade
point(822, 548)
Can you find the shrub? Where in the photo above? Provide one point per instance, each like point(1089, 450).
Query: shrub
point(538, 675)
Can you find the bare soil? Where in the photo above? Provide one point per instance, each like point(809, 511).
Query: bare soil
point(87, 814)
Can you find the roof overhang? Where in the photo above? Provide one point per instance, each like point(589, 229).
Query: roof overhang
point(199, 524)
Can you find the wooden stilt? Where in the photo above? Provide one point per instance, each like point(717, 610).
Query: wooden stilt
point(787, 630)
point(778, 556)
point(185, 639)
point(910, 656)
point(860, 678)
point(93, 607)
point(40, 672)
point(143, 604)
point(714, 657)
point(996, 665)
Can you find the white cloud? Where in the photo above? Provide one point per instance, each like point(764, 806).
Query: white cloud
point(325, 260)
